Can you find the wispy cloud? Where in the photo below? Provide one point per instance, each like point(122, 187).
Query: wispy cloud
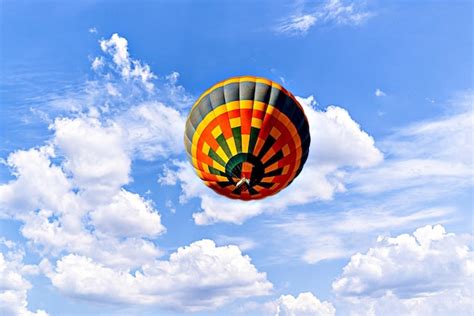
point(336, 234)
point(335, 12)
point(244, 243)
point(434, 154)
point(297, 24)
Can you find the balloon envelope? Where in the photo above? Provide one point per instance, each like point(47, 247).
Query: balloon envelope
point(247, 137)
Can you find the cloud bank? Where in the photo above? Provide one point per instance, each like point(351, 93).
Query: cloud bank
point(198, 277)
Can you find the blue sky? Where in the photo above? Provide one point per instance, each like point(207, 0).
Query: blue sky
point(100, 213)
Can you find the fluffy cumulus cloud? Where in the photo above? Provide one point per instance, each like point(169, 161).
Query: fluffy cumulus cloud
point(116, 219)
point(38, 183)
point(64, 189)
point(323, 174)
point(94, 154)
point(13, 284)
point(335, 12)
point(429, 272)
point(200, 276)
point(304, 304)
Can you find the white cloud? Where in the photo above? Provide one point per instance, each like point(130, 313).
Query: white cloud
point(94, 155)
point(85, 213)
point(61, 198)
point(153, 130)
point(117, 47)
point(299, 24)
point(339, 129)
point(244, 243)
point(170, 206)
point(51, 237)
point(351, 13)
point(93, 30)
point(70, 198)
point(427, 261)
point(331, 12)
point(410, 173)
point(447, 302)
point(321, 178)
point(170, 176)
point(434, 154)
point(38, 183)
point(121, 82)
point(200, 276)
point(97, 63)
point(127, 215)
point(175, 93)
point(429, 272)
point(304, 304)
point(13, 285)
point(336, 234)
point(379, 93)
point(112, 90)
point(173, 77)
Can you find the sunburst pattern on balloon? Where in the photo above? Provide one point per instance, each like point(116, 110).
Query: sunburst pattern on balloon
point(247, 137)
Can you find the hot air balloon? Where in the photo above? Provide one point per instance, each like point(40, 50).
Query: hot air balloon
point(247, 137)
